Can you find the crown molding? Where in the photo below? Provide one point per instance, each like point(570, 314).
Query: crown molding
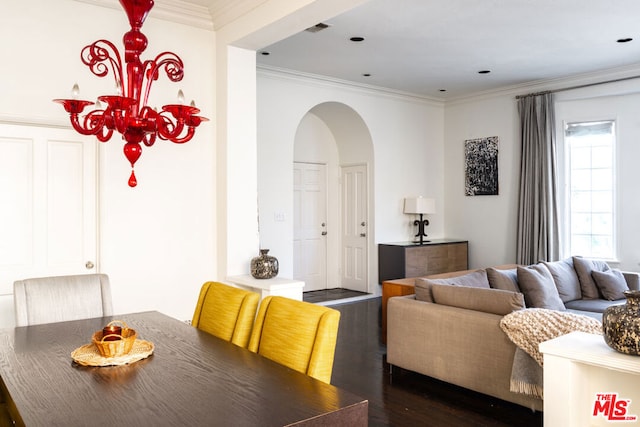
point(177, 11)
point(324, 81)
point(224, 11)
point(559, 84)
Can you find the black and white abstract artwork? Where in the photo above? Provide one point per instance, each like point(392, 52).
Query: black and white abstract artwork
point(481, 166)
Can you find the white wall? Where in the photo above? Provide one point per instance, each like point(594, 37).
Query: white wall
point(157, 240)
point(489, 222)
point(408, 155)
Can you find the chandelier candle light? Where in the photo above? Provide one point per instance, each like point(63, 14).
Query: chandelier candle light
point(128, 113)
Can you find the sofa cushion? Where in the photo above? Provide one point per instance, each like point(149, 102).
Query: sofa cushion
point(495, 301)
point(423, 289)
point(595, 305)
point(477, 279)
point(611, 284)
point(584, 267)
point(538, 287)
point(566, 279)
point(507, 280)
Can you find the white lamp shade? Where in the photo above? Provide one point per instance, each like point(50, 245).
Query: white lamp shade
point(419, 205)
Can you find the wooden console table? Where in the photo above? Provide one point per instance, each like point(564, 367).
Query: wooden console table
point(408, 259)
point(405, 261)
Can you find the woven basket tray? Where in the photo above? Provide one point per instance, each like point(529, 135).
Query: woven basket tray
point(120, 346)
point(88, 355)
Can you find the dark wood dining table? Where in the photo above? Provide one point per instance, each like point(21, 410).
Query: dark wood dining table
point(191, 379)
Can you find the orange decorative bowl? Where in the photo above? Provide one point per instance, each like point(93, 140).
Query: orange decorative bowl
point(120, 346)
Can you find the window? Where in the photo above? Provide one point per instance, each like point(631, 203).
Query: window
point(591, 183)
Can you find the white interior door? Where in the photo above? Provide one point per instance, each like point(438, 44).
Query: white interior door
point(48, 222)
point(354, 228)
point(310, 225)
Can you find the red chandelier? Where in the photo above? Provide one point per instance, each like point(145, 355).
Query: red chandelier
point(128, 112)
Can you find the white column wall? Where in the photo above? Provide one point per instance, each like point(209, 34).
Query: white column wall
point(237, 238)
point(241, 202)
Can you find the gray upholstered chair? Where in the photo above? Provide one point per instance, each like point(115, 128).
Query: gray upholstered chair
point(61, 298)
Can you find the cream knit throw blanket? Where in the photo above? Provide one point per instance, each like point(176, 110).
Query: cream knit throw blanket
point(529, 327)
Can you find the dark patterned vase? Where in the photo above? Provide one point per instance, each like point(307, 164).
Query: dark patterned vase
point(621, 325)
point(264, 266)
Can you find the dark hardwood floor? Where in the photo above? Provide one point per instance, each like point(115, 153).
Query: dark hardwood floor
point(407, 398)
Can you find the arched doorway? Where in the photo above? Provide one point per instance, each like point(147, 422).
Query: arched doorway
point(333, 215)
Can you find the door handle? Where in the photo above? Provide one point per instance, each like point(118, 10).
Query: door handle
point(89, 265)
point(324, 233)
point(363, 234)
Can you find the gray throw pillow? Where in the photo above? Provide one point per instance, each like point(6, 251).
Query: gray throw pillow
point(611, 283)
point(477, 279)
point(566, 279)
point(495, 301)
point(538, 287)
point(584, 267)
point(506, 280)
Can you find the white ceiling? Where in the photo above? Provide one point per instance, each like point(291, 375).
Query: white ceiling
point(423, 46)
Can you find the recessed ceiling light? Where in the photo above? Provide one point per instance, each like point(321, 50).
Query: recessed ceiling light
point(624, 40)
point(357, 39)
point(484, 71)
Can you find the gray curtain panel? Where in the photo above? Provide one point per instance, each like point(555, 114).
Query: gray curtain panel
point(537, 237)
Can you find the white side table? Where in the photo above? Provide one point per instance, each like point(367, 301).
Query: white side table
point(265, 287)
point(586, 383)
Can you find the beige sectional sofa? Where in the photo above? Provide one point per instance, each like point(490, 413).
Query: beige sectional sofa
point(450, 329)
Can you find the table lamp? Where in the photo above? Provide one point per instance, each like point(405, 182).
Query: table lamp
point(420, 205)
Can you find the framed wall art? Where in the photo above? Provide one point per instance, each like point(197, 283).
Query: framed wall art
point(481, 166)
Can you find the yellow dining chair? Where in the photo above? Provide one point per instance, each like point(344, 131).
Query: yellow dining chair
point(226, 312)
point(296, 334)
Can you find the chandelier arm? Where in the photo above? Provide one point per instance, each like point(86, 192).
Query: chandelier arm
point(169, 128)
point(187, 137)
point(92, 124)
point(75, 122)
point(105, 135)
point(149, 139)
point(173, 66)
point(102, 55)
